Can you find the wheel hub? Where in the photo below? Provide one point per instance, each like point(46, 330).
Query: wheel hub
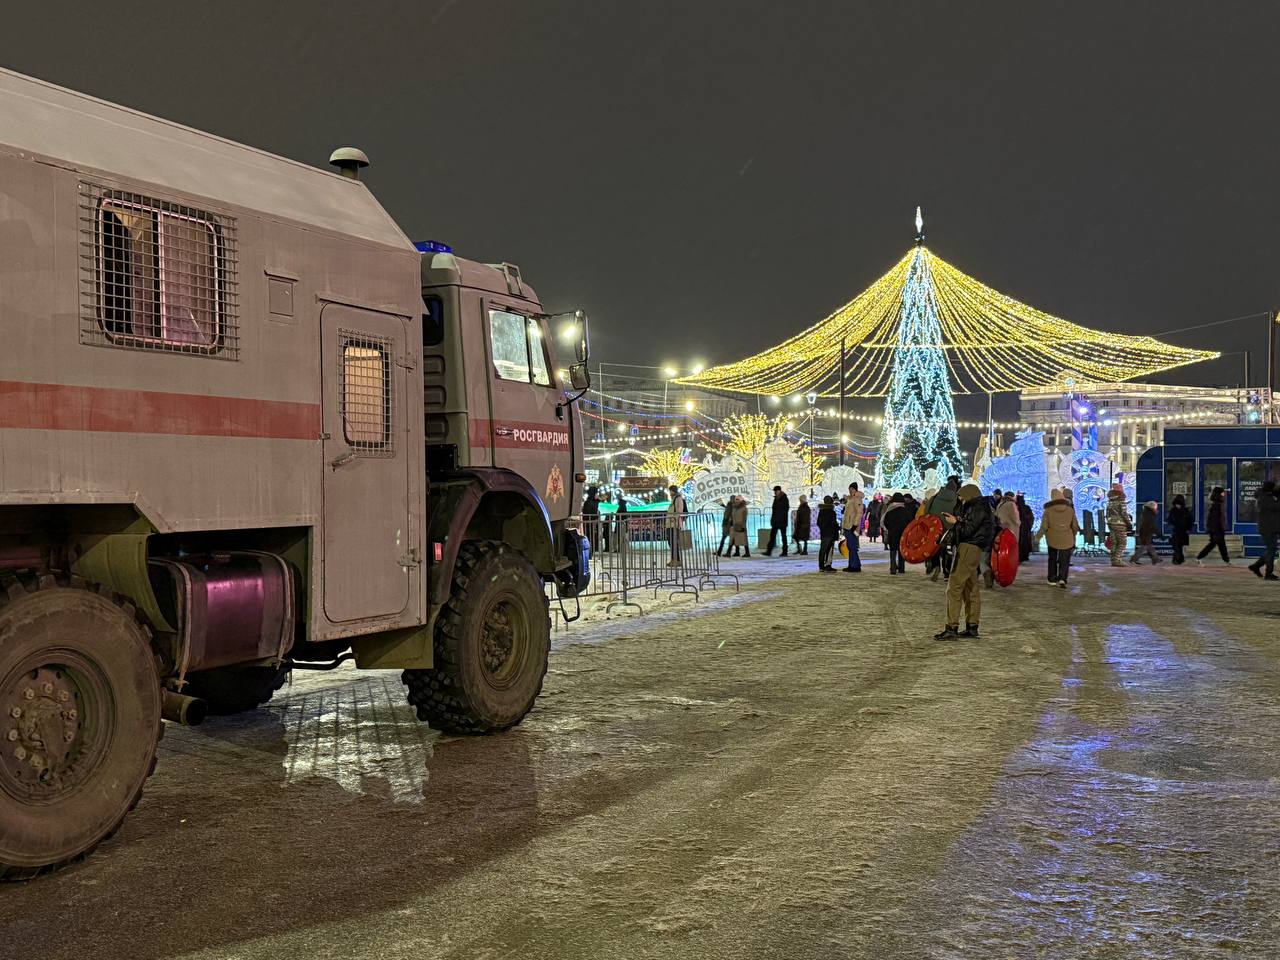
point(499, 638)
point(44, 740)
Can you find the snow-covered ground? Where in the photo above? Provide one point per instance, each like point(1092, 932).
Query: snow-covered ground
point(794, 770)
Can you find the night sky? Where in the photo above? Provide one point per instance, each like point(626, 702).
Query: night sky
point(706, 178)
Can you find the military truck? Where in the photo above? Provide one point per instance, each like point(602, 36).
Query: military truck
point(247, 426)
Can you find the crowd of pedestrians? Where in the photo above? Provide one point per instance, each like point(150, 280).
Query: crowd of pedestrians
point(971, 521)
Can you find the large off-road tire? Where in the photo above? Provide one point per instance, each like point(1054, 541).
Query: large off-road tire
point(79, 719)
point(229, 690)
point(491, 644)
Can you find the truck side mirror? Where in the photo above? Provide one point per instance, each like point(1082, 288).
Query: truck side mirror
point(579, 376)
point(583, 345)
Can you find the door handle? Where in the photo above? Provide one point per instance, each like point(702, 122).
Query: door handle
point(343, 460)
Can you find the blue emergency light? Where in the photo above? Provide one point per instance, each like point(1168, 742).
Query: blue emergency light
point(432, 246)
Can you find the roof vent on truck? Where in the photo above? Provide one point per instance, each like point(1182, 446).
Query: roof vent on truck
point(349, 160)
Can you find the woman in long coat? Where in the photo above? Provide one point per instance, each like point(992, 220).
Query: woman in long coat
point(874, 510)
point(1180, 524)
point(803, 528)
point(738, 539)
point(1028, 518)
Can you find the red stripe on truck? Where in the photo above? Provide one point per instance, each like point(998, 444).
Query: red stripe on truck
point(58, 406)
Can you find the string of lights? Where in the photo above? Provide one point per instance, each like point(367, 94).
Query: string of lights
point(991, 343)
point(998, 425)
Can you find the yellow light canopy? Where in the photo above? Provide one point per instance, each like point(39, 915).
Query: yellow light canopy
point(992, 344)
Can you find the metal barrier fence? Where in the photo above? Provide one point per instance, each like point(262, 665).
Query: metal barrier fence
point(632, 552)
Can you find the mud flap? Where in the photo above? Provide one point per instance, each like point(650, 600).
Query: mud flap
point(573, 580)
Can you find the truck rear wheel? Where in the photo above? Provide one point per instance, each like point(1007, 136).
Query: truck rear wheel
point(491, 645)
point(79, 720)
point(229, 690)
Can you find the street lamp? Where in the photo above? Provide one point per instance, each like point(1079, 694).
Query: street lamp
point(668, 373)
point(813, 399)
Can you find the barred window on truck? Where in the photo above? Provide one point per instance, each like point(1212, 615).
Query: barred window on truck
point(161, 277)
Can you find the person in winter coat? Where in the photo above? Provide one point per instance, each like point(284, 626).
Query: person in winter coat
point(829, 531)
point(675, 524)
point(739, 537)
point(621, 531)
point(874, 512)
point(1119, 523)
point(1007, 515)
point(779, 522)
point(1180, 523)
point(1027, 520)
point(1008, 518)
point(591, 517)
point(1216, 526)
point(802, 530)
point(973, 528)
point(851, 525)
point(896, 517)
point(1058, 526)
point(606, 523)
point(726, 525)
point(943, 502)
point(1268, 530)
point(1144, 544)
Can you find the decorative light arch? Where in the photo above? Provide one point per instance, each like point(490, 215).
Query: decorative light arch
point(991, 343)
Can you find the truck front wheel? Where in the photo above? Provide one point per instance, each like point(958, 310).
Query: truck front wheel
point(79, 720)
point(491, 644)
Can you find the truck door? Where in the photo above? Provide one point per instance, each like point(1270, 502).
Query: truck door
point(530, 437)
point(365, 535)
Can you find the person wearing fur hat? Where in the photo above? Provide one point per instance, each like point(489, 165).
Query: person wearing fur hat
point(1058, 526)
point(1119, 523)
point(973, 529)
point(1144, 543)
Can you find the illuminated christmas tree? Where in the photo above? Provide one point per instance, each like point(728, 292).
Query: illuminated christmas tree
point(919, 427)
point(921, 332)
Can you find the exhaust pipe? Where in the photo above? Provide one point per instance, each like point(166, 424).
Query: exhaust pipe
point(179, 708)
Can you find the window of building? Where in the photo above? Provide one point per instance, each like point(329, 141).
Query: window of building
point(1053, 405)
point(162, 276)
point(367, 394)
point(1250, 476)
point(519, 352)
point(1179, 479)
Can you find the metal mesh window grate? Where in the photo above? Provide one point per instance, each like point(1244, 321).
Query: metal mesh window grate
point(367, 394)
point(156, 275)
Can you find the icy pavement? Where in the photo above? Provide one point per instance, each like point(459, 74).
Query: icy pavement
point(796, 770)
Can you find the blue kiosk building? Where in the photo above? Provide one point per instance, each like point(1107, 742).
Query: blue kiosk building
point(1194, 460)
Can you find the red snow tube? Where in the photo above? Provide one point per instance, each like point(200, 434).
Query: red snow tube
point(1004, 557)
point(921, 539)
